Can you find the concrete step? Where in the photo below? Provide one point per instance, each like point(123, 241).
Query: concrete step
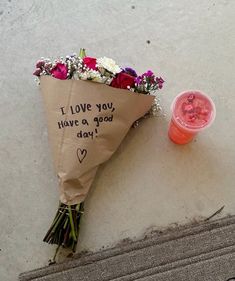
point(205, 251)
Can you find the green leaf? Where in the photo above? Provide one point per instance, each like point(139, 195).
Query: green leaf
point(82, 53)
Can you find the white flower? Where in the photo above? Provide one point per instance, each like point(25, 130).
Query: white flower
point(95, 76)
point(83, 76)
point(91, 75)
point(108, 64)
point(75, 75)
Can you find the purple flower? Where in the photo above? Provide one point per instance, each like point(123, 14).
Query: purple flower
point(149, 73)
point(130, 71)
point(138, 80)
point(160, 82)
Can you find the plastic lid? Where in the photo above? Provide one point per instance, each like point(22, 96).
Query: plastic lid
point(193, 110)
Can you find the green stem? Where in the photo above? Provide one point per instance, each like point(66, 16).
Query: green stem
point(57, 216)
point(56, 252)
point(72, 224)
point(64, 230)
point(66, 222)
point(59, 220)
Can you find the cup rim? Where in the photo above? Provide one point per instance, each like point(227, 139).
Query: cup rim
point(191, 129)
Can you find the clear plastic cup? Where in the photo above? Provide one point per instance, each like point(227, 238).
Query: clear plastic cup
point(192, 112)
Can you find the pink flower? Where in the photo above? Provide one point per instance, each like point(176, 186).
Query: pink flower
point(37, 72)
point(90, 62)
point(160, 82)
point(60, 71)
point(40, 64)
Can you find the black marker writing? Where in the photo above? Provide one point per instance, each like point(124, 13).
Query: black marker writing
point(101, 119)
point(62, 110)
point(105, 106)
point(68, 123)
point(82, 107)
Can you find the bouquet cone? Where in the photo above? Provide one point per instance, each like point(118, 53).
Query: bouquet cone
point(87, 121)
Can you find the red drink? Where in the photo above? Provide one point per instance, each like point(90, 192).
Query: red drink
point(192, 111)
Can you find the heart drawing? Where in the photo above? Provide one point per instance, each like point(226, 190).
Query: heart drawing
point(81, 154)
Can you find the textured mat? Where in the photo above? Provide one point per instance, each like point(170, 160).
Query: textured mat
point(201, 252)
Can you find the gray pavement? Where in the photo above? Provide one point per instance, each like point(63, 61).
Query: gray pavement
point(196, 253)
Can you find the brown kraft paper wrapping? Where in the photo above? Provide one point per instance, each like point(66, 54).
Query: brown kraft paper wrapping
point(87, 121)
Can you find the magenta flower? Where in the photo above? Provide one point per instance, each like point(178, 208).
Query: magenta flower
point(149, 73)
point(60, 71)
point(90, 62)
point(138, 80)
point(160, 82)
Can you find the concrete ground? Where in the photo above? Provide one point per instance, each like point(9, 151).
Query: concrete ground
point(150, 183)
point(205, 251)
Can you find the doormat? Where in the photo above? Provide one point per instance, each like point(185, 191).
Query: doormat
point(203, 252)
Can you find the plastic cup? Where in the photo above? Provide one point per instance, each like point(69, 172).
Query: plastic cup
point(192, 112)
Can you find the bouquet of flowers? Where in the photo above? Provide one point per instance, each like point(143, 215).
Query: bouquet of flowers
point(87, 121)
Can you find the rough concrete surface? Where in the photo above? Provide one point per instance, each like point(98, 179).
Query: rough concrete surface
point(198, 253)
point(150, 182)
